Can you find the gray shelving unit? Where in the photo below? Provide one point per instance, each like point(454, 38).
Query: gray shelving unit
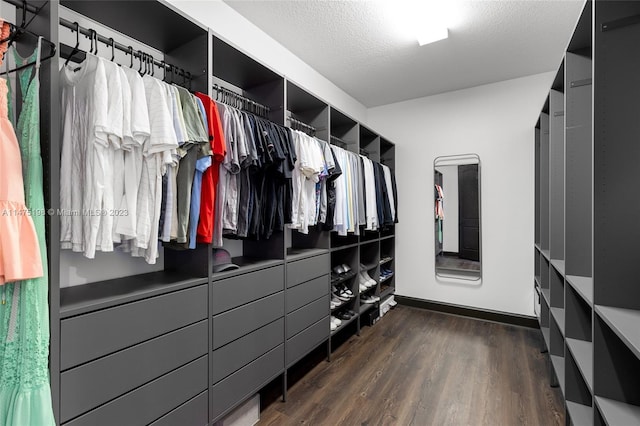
point(594, 292)
point(184, 345)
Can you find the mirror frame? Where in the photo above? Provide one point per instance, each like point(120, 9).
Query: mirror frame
point(461, 160)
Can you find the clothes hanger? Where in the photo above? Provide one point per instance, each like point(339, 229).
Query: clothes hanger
point(130, 52)
point(164, 70)
point(140, 57)
point(52, 53)
point(113, 48)
point(152, 68)
point(76, 48)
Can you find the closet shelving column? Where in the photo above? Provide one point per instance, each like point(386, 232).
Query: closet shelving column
point(556, 225)
point(543, 213)
point(115, 345)
point(344, 132)
point(308, 291)
point(387, 235)
point(616, 130)
point(369, 143)
point(578, 223)
point(248, 304)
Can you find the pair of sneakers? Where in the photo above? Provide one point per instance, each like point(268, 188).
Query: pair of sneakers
point(342, 292)
point(369, 299)
point(365, 281)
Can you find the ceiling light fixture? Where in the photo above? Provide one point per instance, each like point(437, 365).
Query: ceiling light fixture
point(425, 20)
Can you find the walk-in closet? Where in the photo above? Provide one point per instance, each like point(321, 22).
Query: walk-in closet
point(226, 213)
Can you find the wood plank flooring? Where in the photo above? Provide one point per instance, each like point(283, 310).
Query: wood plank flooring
point(417, 367)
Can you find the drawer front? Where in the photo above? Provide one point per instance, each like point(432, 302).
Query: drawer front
point(237, 354)
point(92, 384)
point(152, 400)
point(307, 292)
point(243, 320)
point(307, 316)
point(304, 342)
point(96, 334)
point(233, 292)
point(307, 269)
point(245, 382)
point(191, 413)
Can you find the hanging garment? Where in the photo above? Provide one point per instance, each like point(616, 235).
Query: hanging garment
point(211, 175)
point(19, 249)
point(25, 393)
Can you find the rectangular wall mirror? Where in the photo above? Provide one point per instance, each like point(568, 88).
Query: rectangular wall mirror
point(457, 217)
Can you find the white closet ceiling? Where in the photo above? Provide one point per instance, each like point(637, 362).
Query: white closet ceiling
point(356, 44)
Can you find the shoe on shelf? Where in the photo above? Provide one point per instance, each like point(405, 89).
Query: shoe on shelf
point(336, 321)
point(345, 290)
point(333, 326)
point(341, 269)
point(363, 287)
point(367, 300)
point(370, 282)
point(344, 316)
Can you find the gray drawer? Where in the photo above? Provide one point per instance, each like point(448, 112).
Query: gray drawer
point(191, 413)
point(307, 316)
point(237, 354)
point(233, 292)
point(245, 382)
point(87, 337)
point(92, 384)
point(243, 320)
point(307, 292)
point(152, 400)
point(307, 269)
point(304, 342)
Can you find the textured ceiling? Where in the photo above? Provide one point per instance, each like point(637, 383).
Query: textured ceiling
point(358, 46)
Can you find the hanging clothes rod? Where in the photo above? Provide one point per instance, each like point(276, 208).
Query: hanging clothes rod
point(19, 4)
point(339, 141)
point(238, 101)
point(300, 125)
point(126, 49)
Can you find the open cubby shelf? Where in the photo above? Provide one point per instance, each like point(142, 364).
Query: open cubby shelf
point(618, 413)
point(583, 286)
point(625, 323)
point(580, 414)
point(582, 352)
point(558, 316)
point(558, 367)
point(558, 265)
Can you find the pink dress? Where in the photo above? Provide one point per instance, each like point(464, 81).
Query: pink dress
point(19, 249)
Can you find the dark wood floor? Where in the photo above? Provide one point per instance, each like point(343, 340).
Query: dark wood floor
point(417, 367)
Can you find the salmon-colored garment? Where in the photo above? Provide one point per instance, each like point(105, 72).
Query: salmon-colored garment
point(19, 249)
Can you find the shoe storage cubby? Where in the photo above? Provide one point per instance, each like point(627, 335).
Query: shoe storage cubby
point(595, 173)
point(370, 268)
point(387, 267)
point(349, 280)
point(177, 343)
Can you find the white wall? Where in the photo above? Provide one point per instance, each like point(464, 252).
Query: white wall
point(496, 121)
point(450, 205)
point(236, 30)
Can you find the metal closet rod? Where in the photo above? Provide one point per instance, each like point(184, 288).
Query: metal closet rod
point(239, 101)
point(126, 49)
point(19, 4)
point(337, 139)
point(302, 124)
